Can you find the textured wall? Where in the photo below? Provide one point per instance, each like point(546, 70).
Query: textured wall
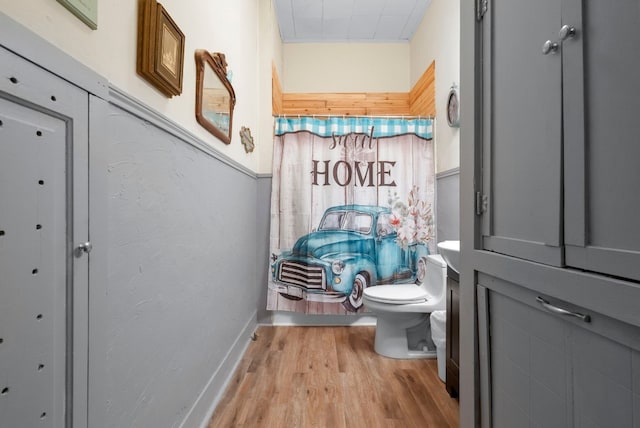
point(182, 276)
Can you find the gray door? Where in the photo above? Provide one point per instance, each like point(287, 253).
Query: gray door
point(43, 215)
point(554, 370)
point(522, 130)
point(602, 130)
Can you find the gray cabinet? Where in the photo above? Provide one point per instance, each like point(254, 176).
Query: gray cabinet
point(452, 364)
point(559, 133)
point(601, 65)
point(557, 181)
point(549, 370)
point(44, 281)
point(522, 131)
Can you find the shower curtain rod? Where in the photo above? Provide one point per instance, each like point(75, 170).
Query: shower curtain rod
point(344, 116)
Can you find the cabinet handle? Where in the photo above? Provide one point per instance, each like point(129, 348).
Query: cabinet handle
point(549, 47)
point(556, 310)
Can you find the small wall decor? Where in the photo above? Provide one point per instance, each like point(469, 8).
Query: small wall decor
point(453, 107)
point(160, 48)
point(215, 98)
point(85, 10)
point(246, 139)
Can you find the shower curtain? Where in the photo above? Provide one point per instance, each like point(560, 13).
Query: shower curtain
point(351, 207)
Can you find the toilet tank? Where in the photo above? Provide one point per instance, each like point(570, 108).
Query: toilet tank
point(436, 276)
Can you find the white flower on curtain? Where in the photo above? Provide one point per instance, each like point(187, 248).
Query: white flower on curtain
point(413, 221)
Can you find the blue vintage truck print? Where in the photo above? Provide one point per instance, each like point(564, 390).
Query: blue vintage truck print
point(354, 247)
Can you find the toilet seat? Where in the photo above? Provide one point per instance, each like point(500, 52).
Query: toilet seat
point(398, 294)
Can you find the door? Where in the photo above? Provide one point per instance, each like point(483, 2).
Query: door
point(43, 277)
point(550, 366)
point(522, 130)
point(601, 64)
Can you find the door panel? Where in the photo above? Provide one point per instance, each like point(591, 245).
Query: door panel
point(554, 370)
point(43, 213)
point(33, 265)
point(602, 173)
point(522, 130)
point(529, 366)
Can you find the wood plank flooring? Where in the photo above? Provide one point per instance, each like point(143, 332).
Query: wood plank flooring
point(331, 377)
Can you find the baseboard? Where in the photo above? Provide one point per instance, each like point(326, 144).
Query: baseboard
point(296, 319)
point(202, 410)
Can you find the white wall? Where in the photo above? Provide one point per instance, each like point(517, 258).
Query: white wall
point(438, 38)
point(346, 67)
point(224, 26)
point(270, 52)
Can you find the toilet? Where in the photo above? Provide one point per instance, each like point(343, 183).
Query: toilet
point(403, 327)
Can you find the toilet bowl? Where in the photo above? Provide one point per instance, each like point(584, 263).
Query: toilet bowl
point(403, 328)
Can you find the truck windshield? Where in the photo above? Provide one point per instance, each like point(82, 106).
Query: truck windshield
point(347, 220)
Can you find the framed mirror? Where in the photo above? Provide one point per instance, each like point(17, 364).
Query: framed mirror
point(215, 97)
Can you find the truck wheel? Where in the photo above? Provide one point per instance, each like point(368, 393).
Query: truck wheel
point(354, 301)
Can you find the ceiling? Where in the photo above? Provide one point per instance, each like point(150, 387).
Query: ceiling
point(305, 21)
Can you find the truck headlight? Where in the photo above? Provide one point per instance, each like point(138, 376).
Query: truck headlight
point(337, 267)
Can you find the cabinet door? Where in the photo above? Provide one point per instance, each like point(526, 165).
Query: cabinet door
point(602, 133)
point(44, 282)
point(453, 334)
point(522, 130)
point(530, 366)
point(550, 370)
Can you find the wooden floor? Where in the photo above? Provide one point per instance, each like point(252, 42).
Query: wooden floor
point(331, 377)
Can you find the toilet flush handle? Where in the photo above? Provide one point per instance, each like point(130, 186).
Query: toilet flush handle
point(556, 310)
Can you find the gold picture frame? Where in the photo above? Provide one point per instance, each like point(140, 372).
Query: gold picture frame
point(160, 57)
point(215, 97)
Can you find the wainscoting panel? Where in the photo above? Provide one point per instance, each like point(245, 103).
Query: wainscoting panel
point(448, 205)
point(182, 274)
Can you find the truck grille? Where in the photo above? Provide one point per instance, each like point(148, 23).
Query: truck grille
point(302, 274)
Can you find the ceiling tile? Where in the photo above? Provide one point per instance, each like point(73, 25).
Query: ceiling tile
point(363, 27)
point(349, 20)
point(399, 7)
point(336, 29)
point(390, 27)
point(333, 9)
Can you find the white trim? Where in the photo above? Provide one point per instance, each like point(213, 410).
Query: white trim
point(448, 173)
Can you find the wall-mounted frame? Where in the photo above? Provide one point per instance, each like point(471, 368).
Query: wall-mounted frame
point(160, 48)
point(85, 10)
point(215, 98)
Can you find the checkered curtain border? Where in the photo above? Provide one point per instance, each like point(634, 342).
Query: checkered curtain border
point(382, 127)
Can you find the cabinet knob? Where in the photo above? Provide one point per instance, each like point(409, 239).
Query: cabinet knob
point(549, 47)
point(84, 248)
point(567, 32)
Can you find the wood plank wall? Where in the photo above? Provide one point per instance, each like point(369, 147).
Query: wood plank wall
point(420, 101)
point(276, 92)
point(422, 97)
